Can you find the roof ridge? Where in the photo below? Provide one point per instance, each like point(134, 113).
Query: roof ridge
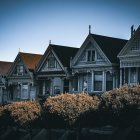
point(63, 46)
point(6, 61)
point(29, 53)
point(110, 37)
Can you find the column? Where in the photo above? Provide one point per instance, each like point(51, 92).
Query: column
point(43, 88)
point(129, 71)
point(87, 81)
point(1, 94)
point(124, 77)
point(104, 82)
point(62, 85)
point(20, 90)
point(120, 77)
point(137, 75)
point(70, 86)
point(52, 87)
point(29, 90)
point(78, 83)
point(92, 81)
point(114, 80)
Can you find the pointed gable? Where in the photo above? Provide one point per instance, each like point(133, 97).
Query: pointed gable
point(51, 63)
point(60, 54)
point(132, 48)
point(98, 50)
point(24, 62)
point(110, 46)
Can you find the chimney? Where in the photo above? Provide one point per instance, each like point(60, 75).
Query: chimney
point(132, 30)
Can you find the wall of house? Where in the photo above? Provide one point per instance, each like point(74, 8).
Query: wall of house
point(98, 58)
point(21, 88)
point(130, 75)
point(3, 89)
point(51, 86)
point(95, 81)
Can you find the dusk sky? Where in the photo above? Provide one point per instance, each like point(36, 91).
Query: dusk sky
point(30, 24)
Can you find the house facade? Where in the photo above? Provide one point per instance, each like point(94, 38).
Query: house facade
point(95, 67)
point(21, 77)
point(130, 59)
point(53, 71)
point(4, 67)
point(100, 64)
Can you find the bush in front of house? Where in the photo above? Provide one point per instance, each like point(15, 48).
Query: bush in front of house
point(119, 106)
point(5, 118)
point(65, 109)
point(115, 107)
point(23, 113)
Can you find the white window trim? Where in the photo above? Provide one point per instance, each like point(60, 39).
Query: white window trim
point(100, 81)
point(91, 53)
point(54, 63)
point(20, 73)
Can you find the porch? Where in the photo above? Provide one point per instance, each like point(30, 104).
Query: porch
point(129, 75)
point(94, 81)
point(18, 91)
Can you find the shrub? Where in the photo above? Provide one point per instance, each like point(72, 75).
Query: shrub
point(23, 113)
point(120, 104)
point(69, 106)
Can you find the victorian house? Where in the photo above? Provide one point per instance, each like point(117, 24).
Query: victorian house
point(4, 67)
point(130, 59)
point(95, 67)
point(53, 71)
point(21, 78)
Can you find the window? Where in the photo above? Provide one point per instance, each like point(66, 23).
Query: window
point(75, 84)
point(51, 62)
point(109, 81)
point(98, 77)
point(57, 89)
point(91, 55)
point(47, 86)
point(133, 75)
point(20, 70)
point(24, 94)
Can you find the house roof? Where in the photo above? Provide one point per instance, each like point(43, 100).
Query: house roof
point(4, 67)
point(110, 46)
point(30, 60)
point(133, 37)
point(64, 53)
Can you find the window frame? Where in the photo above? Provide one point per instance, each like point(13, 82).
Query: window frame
point(50, 61)
point(20, 72)
point(98, 80)
point(91, 58)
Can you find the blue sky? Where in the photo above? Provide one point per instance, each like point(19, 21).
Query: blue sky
point(30, 24)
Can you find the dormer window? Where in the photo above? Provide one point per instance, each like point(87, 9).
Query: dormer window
point(51, 62)
point(20, 70)
point(90, 55)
